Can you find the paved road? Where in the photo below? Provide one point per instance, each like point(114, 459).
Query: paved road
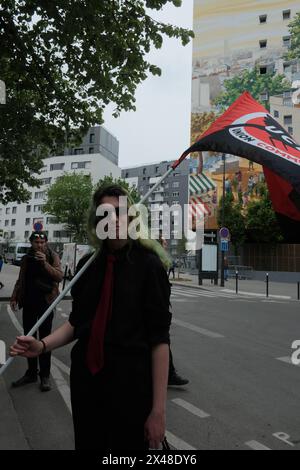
point(243, 391)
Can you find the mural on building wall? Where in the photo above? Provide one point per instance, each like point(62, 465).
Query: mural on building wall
point(230, 38)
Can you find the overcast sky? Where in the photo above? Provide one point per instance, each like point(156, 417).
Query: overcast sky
point(160, 128)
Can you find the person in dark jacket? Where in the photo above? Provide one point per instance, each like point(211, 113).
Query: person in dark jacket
point(120, 318)
point(35, 289)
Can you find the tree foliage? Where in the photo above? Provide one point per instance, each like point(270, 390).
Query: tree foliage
point(63, 61)
point(261, 222)
point(68, 200)
point(294, 28)
point(254, 82)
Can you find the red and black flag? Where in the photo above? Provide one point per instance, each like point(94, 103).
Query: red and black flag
point(248, 130)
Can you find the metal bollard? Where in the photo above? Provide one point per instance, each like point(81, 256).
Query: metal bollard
point(236, 282)
point(267, 284)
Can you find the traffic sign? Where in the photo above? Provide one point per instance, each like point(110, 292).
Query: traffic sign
point(224, 245)
point(224, 233)
point(38, 226)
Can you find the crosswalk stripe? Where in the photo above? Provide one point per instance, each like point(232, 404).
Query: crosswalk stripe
point(197, 329)
point(178, 443)
point(196, 293)
point(191, 408)
point(255, 445)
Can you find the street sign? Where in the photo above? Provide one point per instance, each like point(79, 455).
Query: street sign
point(224, 233)
point(38, 226)
point(224, 245)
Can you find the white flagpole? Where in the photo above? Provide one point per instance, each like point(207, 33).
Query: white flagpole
point(79, 274)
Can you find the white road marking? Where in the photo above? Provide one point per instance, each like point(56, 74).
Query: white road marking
point(259, 295)
point(283, 436)
point(178, 443)
point(200, 293)
point(288, 360)
point(197, 329)
point(191, 408)
point(61, 365)
point(62, 386)
point(255, 445)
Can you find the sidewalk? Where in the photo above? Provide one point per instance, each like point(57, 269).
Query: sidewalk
point(11, 432)
point(280, 289)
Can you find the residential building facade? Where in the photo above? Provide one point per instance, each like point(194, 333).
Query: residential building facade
point(172, 191)
point(17, 220)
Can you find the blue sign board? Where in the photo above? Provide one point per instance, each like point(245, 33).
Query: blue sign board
point(224, 245)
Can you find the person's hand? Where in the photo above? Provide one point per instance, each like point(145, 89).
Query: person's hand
point(13, 305)
point(40, 256)
point(154, 429)
point(26, 346)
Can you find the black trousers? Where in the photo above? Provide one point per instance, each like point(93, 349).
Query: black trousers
point(31, 314)
point(110, 409)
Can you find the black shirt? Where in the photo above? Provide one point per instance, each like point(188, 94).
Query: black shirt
point(140, 309)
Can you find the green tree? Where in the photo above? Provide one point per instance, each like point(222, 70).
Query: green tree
point(68, 200)
point(261, 221)
point(255, 83)
point(63, 61)
point(132, 190)
point(294, 28)
point(233, 220)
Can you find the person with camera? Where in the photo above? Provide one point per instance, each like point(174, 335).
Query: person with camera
point(35, 289)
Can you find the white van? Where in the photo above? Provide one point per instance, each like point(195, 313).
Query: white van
point(16, 251)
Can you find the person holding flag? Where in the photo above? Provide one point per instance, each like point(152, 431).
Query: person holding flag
point(120, 320)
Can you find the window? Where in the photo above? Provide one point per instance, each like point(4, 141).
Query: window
point(263, 96)
point(175, 194)
point(287, 120)
point(262, 70)
point(263, 43)
point(176, 174)
point(6, 223)
point(44, 169)
point(7, 210)
point(26, 234)
point(91, 149)
point(28, 208)
point(39, 195)
point(290, 130)
point(14, 210)
point(286, 41)
point(262, 19)
point(80, 165)
point(27, 221)
point(12, 234)
point(175, 203)
point(13, 221)
point(38, 208)
point(276, 113)
point(51, 220)
point(286, 14)
point(175, 184)
point(57, 166)
point(166, 185)
point(156, 169)
point(60, 234)
point(144, 171)
point(92, 138)
point(46, 180)
point(78, 151)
